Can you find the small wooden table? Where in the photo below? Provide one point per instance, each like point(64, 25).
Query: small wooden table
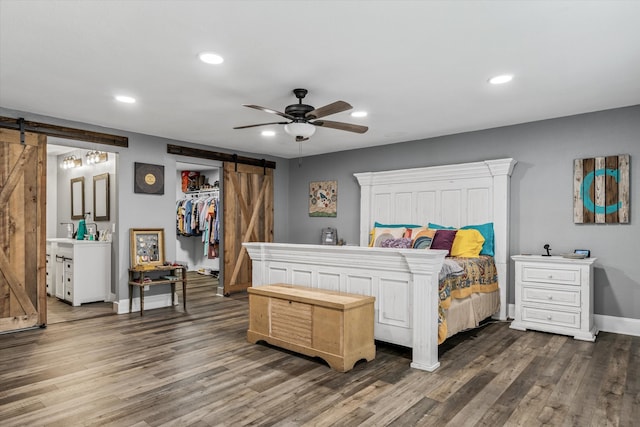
point(336, 326)
point(137, 276)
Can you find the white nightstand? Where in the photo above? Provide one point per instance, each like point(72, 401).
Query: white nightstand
point(555, 294)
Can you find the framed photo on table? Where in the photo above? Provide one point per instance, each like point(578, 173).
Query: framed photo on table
point(147, 247)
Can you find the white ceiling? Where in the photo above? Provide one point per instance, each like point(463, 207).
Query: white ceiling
point(420, 68)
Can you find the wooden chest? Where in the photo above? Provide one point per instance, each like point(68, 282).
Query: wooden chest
point(335, 326)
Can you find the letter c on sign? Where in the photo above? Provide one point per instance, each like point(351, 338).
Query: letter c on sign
point(585, 189)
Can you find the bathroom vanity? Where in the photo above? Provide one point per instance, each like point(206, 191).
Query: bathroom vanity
point(78, 271)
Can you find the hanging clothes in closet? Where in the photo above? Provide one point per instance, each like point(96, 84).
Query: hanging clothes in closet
point(197, 215)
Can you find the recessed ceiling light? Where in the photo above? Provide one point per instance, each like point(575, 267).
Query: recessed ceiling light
point(503, 78)
point(359, 114)
point(211, 58)
point(268, 133)
point(126, 99)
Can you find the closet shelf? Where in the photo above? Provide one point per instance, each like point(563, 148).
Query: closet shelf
point(211, 190)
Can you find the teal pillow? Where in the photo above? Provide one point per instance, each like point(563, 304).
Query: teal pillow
point(487, 232)
point(377, 224)
point(440, 227)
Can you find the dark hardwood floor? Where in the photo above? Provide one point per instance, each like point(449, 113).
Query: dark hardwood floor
point(197, 369)
point(59, 311)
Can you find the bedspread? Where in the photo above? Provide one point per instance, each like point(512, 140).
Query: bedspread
point(479, 275)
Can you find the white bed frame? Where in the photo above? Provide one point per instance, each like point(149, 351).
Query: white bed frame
point(404, 281)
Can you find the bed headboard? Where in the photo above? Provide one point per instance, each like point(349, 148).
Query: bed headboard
point(453, 195)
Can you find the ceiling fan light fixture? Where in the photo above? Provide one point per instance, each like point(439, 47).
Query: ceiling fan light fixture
point(268, 133)
point(304, 130)
point(359, 114)
point(211, 58)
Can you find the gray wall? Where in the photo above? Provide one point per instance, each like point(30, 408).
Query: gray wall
point(541, 191)
point(153, 211)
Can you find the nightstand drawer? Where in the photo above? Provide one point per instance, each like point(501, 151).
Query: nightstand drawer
point(551, 317)
point(562, 275)
point(566, 296)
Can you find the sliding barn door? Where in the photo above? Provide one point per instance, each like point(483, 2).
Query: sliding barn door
point(247, 217)
point(22, 230)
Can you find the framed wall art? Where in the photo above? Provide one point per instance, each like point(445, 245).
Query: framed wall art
point(148, 179)
point(147, 246)
point(323, 198)
point(601, 190)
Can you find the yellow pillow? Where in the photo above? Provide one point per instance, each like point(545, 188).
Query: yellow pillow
point(467, 244)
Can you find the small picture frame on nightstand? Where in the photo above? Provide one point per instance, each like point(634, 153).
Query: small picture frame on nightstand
point(585, 252)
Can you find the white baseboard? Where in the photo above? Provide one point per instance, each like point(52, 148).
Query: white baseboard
point(150, 302)
point(618, 325)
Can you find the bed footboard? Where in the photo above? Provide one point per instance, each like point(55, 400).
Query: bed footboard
point(403, 281)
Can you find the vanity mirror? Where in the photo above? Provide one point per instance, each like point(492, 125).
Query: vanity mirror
point(77, 198)
point(101, 197)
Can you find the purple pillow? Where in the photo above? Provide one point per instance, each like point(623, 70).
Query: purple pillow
point(444, 240)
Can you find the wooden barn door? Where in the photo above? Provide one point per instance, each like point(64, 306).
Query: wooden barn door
point(247, 217)
point(22, 230)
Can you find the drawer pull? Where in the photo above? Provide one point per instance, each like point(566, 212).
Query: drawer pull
point(549, 317)
point(550, 276)
point(550, 297)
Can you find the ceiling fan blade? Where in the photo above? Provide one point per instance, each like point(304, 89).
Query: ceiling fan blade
point(268, 110)
point(333, 108)
point(260, 124)
point(340, 126)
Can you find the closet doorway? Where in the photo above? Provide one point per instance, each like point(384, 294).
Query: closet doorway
point(198, 214)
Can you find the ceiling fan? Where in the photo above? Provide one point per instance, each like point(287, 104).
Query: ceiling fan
point(303, 118)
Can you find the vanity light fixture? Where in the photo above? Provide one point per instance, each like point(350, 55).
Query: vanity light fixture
point(70, 162)
point(501, 79)
point(94, 157)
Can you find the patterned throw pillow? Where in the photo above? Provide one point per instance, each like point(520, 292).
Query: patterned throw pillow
point(422, 239)
point(381, 234)
point(402, 243)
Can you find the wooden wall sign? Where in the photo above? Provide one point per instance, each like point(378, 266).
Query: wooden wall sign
point(601, 190)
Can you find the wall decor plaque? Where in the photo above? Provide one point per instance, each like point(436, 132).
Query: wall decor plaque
point(601, 190)
point(148, 178)
point(323, 198)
